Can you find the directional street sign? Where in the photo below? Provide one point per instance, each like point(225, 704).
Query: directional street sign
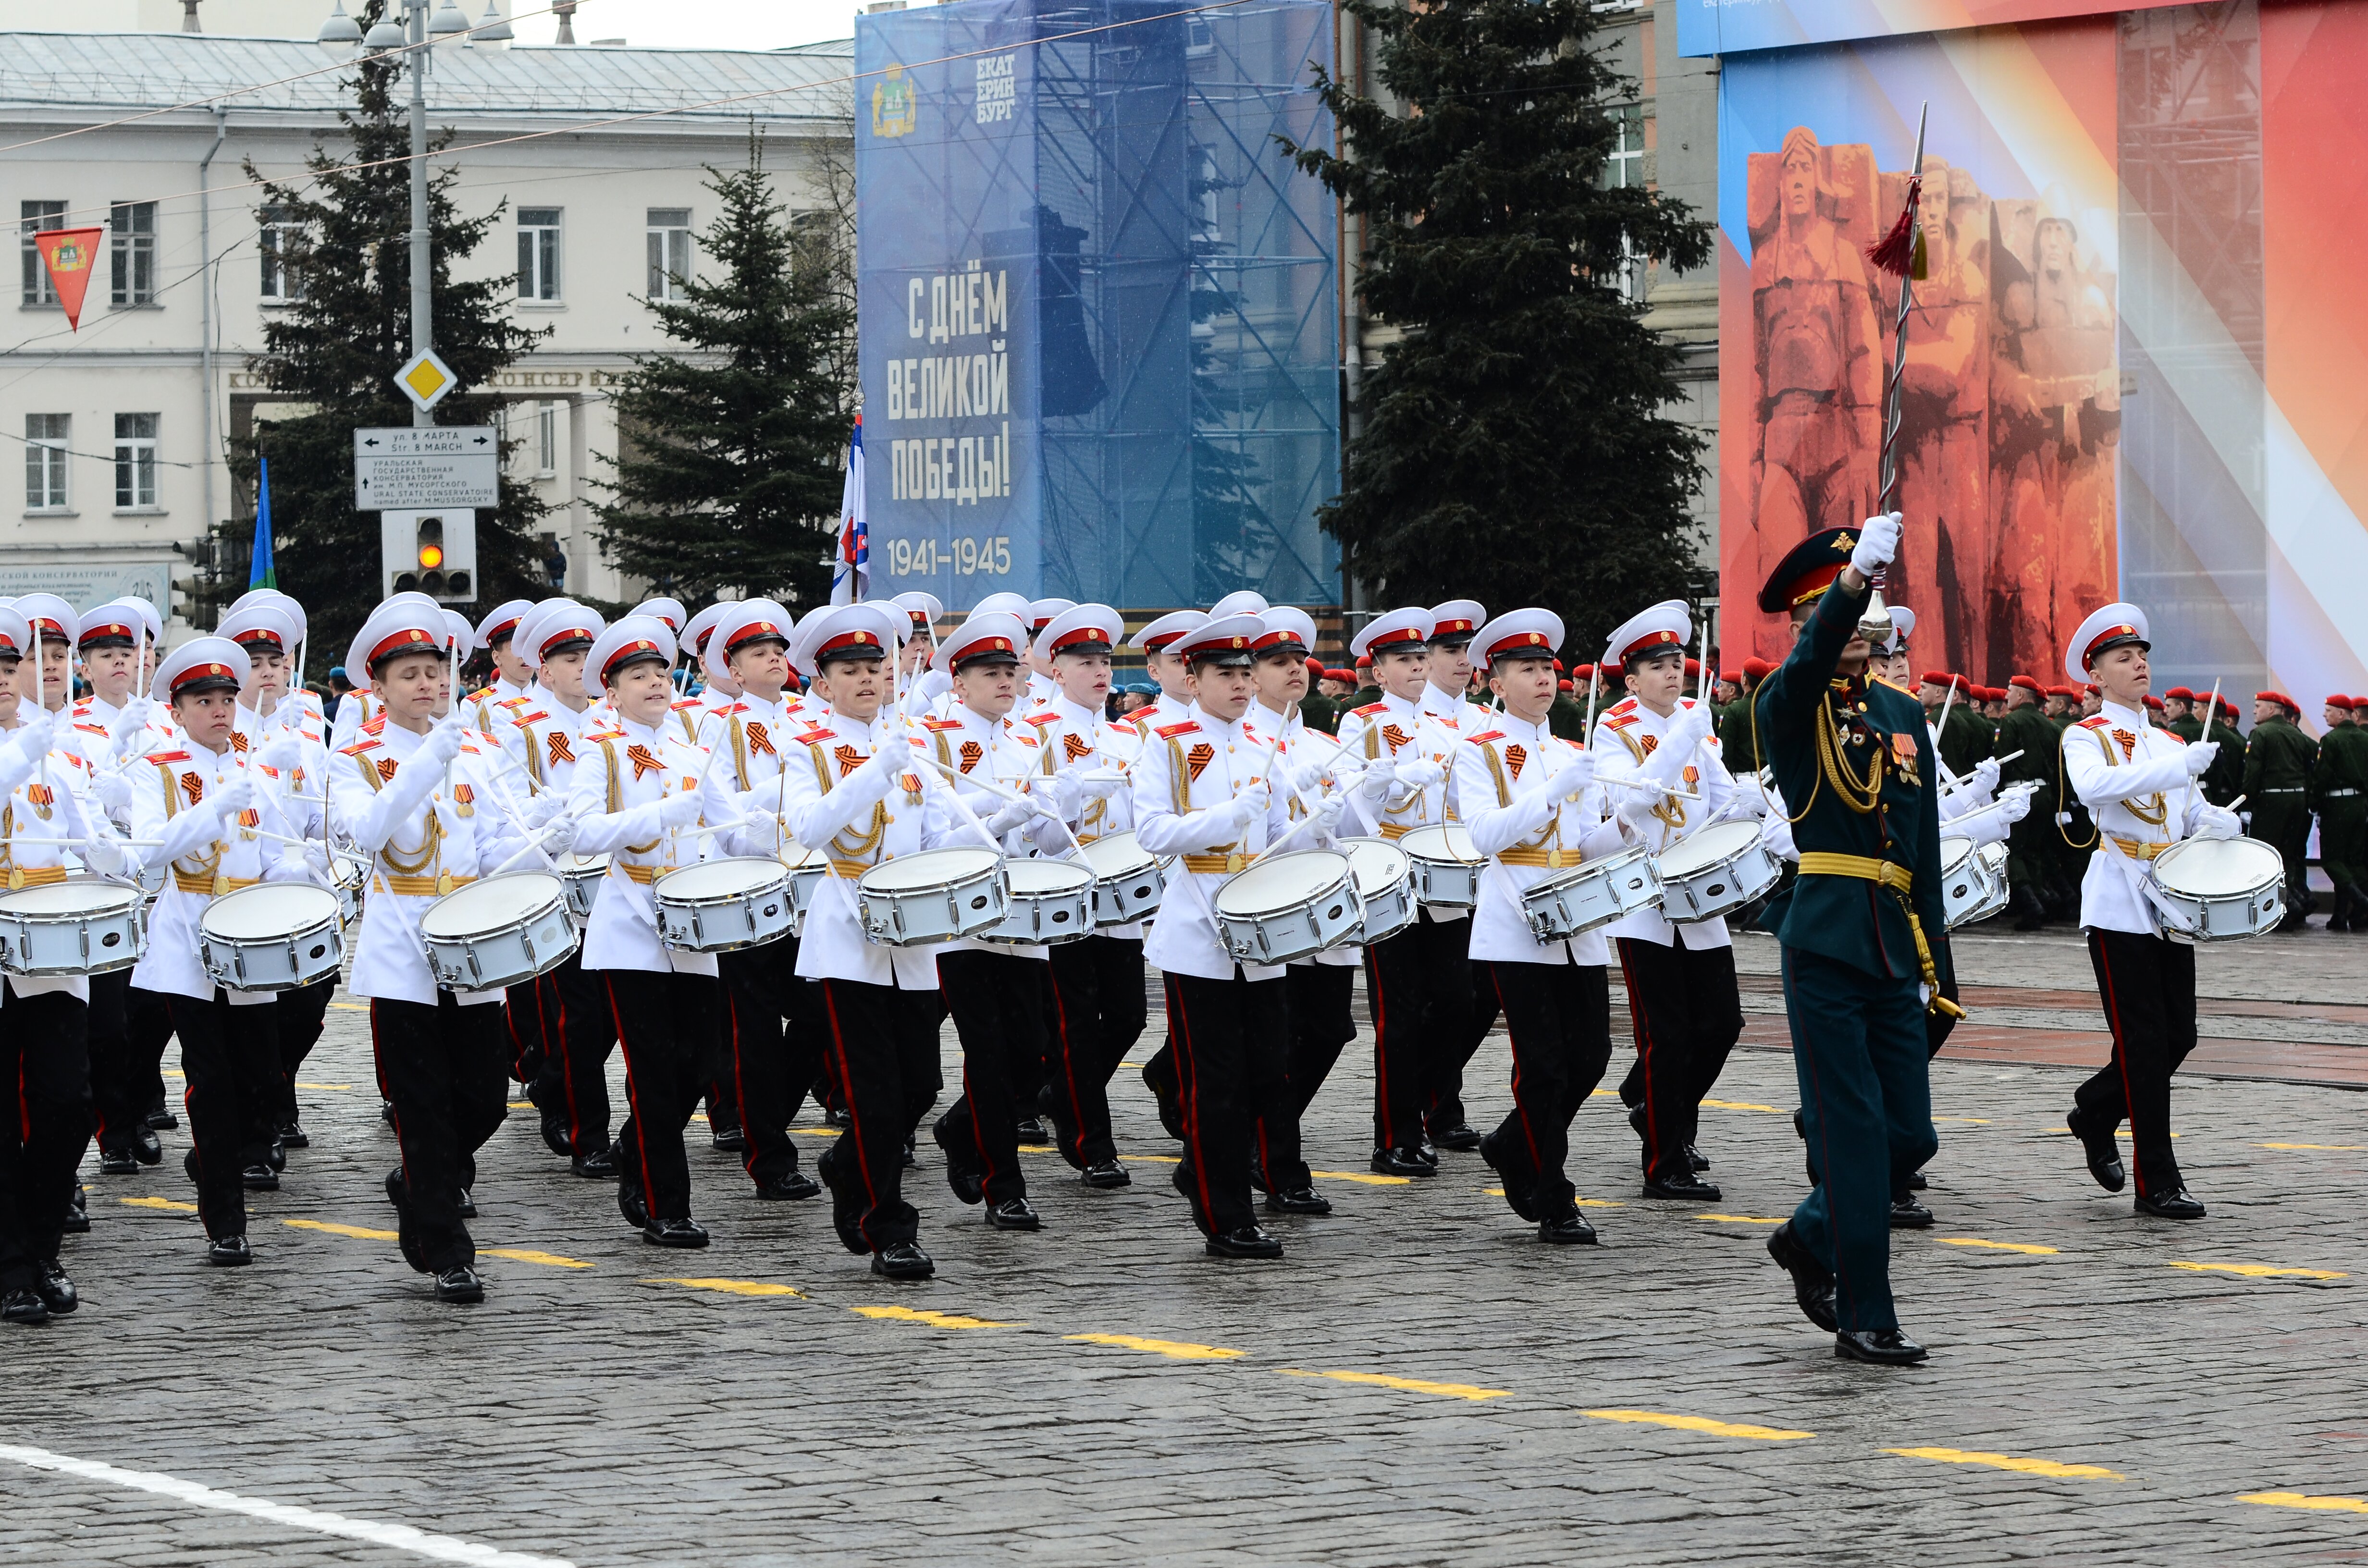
point(408, 468)
point(425, 378)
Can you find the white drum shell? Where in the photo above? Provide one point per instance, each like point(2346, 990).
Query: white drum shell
point(1973, 885)
point(506, 952)
point(807, 868)
point(1052, 901)
point(1129, 881)
point(1385, 887)
point(1595, 893)
point(722, 906)
point(82, 925)
point(1693, 891)
point(1263, 918)
point(1446, 868)
point(937, 895)
point(2244, 897)
point(310, 948)
point(582, 873)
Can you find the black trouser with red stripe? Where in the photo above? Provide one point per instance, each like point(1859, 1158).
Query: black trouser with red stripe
point(230, 1062)
point(1558, 1020)
point(1466, 1010)
point(1230, 1036)
point(118, 1088)
point(149, 1015)
point(1098, 1012)
point(444, 1069)
point(771, 1066)
point(666, 1023)
point(881, 1045)
point(1688, 1015)
point(1411, 983)
point(45, 1055)
point(575, 1076)
point(302, 1014)
point(997, 1001)
point(2148, 988)
point(530, 1027)
point(1321, 1025)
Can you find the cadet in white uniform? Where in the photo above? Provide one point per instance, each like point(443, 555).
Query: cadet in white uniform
point(511, 692)
point(1449, 668)
point(1158, 642)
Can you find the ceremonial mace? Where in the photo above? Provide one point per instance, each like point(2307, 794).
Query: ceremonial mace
point(1900, 253)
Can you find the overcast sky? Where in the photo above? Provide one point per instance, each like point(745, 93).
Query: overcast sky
point(699, 24)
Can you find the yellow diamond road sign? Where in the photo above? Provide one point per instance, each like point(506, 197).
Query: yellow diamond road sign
point(424, 379)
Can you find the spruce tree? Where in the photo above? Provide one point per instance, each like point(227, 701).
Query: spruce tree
point(731, 472)
point(1515, 446)
point(336, 347)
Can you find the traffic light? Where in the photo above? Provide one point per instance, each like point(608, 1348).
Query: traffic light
point(430, 553)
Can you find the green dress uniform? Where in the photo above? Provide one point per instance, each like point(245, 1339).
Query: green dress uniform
point(2225, 780)
point(2190, 729)
point(1319, 712)
point(2028, 731)
point(1862, 929)
point(1566, 718)
point(2341, 783)
point(2279, 759)
point(1966, 739)
point(1736, 739)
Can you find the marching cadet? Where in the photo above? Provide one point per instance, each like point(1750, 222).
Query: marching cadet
point(2279, 759)
point(1098, 1009)
point(918, 686)
point(1041, 682)
point(1468, 1011)
point(770, 1065)
point(2178, 706)
point(1394, 747)
point(1158, 642)
point(2139, 784)
point(993, 990)
point(1529, 802)
point(201, 813)
point(1203, 793)
point(510, 693)
point(572, 1090)
point(1864, 938)
point(856, 795)
point(419, 795)
point(634, 796)
point(44, 1022)
point(1893, 661)
point(2340, 780)
point(2225, 780)
point(716, 692)
point(1654, 746)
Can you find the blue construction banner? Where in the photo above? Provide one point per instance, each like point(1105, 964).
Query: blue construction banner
point(1099, 324)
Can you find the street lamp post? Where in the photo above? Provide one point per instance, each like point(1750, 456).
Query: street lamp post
point(340, 30)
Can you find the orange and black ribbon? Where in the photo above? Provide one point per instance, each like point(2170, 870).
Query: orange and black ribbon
point(639, 756)
point(758, 740)
point(560, 750)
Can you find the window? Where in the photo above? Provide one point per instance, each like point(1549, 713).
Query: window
point(134, 247)
point(38, 216)
point(669, 251)
point(282, 245)
point(538, 274)
point(135, 461)
point(546, 440)
point(1625, 167)
point(46, 436)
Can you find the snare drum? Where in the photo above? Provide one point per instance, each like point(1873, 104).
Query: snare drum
point(351, 876)
point(1289, 906)
point(937, 895)
point(582, 875)
point(272, 937)
point(1051, 900)
point(497, 933)
point(1129, 881)
point(1385, 886)
point(1595, 893)
point(721, 906)
point(82, 925)
point(1971, 887)
point(2217, 889)
point(1722, 868)
point(1446, 868)
point(807, 867)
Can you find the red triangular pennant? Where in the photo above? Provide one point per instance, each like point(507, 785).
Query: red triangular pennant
point(71, 255)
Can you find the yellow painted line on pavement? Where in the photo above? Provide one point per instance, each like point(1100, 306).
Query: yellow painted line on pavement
point(1745, 1105)
point(159, 1203)
point(1152, 1159)
point(1968, 1121)
point(360, 1233)
point(302, 1085)
point(1363, 1179)
point(1036, 1149)
point(1582, 1202)
point(731, 1287)
point(2016, 1462)
point(1412, 1385)
point(1136, 1065)
point(1739, 1219)
point(1174, 1349)
point(352, 1007)
point(2260, 1270)
point(2328, 1148)
point(2121, 1132)
point(1702, 1423)
point(2304, 1500)
point(528, 1254)
point(2033, 1248)
point(819, 1132)
point(934, 1319)
point(521, 1105)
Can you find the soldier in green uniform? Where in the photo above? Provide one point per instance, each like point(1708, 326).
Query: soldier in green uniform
point(1865, 948)
point(1319, 711)
point(2178, 706)
point(2341, 786)
point(2025, 729)
point(1567, 718)
point(1735, 736)
point(2226, 780)
point(2279, 759)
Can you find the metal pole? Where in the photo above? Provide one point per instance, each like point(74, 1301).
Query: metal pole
point(422, 323)
point(206, 323)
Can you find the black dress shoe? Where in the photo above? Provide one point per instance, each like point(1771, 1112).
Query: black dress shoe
point(554, 1130)
point(229, 1252)
point(968, 1187)
point(1014, 1214)
point(1248, 1242)
point(1877, 1347)
point(118, 1161)
point(846, 1209)
point(789, 1184)
point(2173, 1205)
point(77, 1213)
point(1517, 1186)
point(1696, 1159)
point(146, 1147)
point(259, 1178)
point(1257, 1176)
point(23, 1306)
point(1031, 1130)
point(276, 1157)
point(161, 1118)
point(1427, 1154)
point(293, 1136)
point(633, 1205)
point(1906, 1214)
point(1916, 1181)
point(600, 1164)
point(1571, 1230)
point(732, 1139)
point(394, 1188)
point(1459, 1137)
point(1684, 1185)
point(386, 1112)
point(1299, 1200)
point(842, 1118)
point(1401, 1163)
point(1104, 1174)
point(1813, 1286)
point(902, 1260)
point(58, 1292)
point(2104, 1160)
point(675, 1234)
point(460, 1285)
point(468, 1205)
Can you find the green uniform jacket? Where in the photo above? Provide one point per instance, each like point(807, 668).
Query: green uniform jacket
point(2026, 729)
point(1566, 718)
point(1734, 738)
point(2225, 780)
point(2278, 756)
point(2190, 729)
point(2342, 762)
point(1851, 919)
point(1320, 711)
point(1967, 739)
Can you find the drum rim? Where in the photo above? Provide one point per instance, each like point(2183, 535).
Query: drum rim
point(778, 878)
point(1348, 874)
point(559, 900)
point(1627, 855)
point(1699, 836)
point(992, 867)
point(1440, 828)
point(133, 896)
point(2273, 864)
point(1034, 865)
point(337, 913)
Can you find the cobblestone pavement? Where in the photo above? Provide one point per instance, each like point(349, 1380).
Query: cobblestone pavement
point(1418, 1381)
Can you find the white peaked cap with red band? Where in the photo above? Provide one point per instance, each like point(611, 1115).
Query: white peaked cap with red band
point(285, 603)
point(1094, 628)
point(993, 634)
point(259, 622)
point(202, 664)
point(1394, 629)
point(407, 623)
point(503, 621)
point(1241, 602)
point(552, 626)
point(46, 615)
point(2110, 627)
point(1517, 634)
point(1457, 619)
point(875, 627)
point(1163, 632)
point(664, 609)
point(1666, 625)
point(635, 639)
point(1285, 625)
point(741, 622)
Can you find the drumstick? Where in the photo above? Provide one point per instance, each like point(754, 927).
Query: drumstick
point(959, 804)
point(1946, 776)
point(1966, 782)
point(1000, 791)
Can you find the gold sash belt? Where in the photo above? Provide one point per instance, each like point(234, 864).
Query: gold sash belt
point(206, 885)
point(419, 887)
point(1216, 865)
point(35, 876)
point(2135, 849)
point(1898, 878)
point(1552, 859)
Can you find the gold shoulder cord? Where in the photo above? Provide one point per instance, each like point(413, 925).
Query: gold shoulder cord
point(616, 795)
point(1179, 778)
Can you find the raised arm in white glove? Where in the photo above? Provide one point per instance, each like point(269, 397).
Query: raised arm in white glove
point(1013, 814)
point(681, 810)
point(1304, 774)
point(1327, 817)
point(1420, 774)
point(1635, 807)
point(1878, 542)
point(131, 733)
point(558, 835)
point(2199, 756)
point(2217, 822)
point(237, 796)
point(286, 751)
point(105, 854)
point(1249, 805)
point(1375, 782)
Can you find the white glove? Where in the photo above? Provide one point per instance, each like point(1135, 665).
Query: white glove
point(559, 835)
point(237, 796)
point(1923, 992)
point(136, 716)
point(34, 734)
point(1690, 728)
point(763, 834)
point(1014, 814)
point(1636, 808)
point(1420, 774)
point(317, 861)
point(1986, 775)
point(541, 809)
point(1379, 775)
point(1326, 816)
point(2199, 758)
point(111, 790)
point(1306, 774)
point(1576, 774)
point(681, 810)
point(443, 742)
point(2217, 822)
point(285, 753)
point(1249, 805)
point(105, 856)
point(1067, 791)
point(1100, 783)
point(1878, 542)
point(2014, 805)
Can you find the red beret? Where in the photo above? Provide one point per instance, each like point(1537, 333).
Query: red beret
point(2026, 683)
point(1758, 669)
point(1564, 684)
point(2153, 702)
point(2339, 701)
point(2180, 694)
point(2281, 699)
